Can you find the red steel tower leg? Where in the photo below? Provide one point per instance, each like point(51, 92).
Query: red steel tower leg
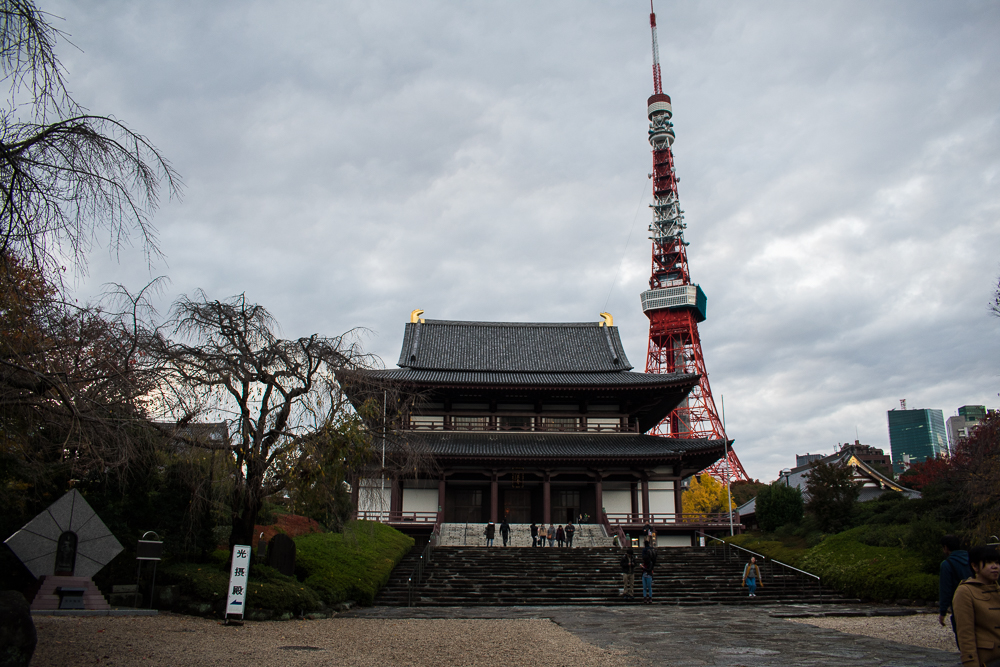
point(673, 304)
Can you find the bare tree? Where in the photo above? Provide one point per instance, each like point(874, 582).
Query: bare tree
point(995, 306)
point(68, 375)
point(278, 395)
point(72, 387)
point(66, 175)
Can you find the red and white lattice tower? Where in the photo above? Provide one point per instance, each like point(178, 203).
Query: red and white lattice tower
point(673, 304)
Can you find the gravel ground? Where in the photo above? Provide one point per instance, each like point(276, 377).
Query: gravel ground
point(170, 639)
point(919, 630)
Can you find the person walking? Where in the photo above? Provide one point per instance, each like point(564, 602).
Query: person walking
point(569, 534)
point(627, 563)
point(954, 569)
point(541, 535)
point(490, 532)
point(552, 533)
point(648, 565)
point(505, 531)
point(751, 576)
point(534, 534)
point(977, 610)
point(560, 535)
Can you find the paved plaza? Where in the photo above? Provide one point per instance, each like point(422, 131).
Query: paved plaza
point(726, 635)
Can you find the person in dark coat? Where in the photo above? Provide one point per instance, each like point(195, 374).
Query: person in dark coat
point(490, 532)
point(570, 530)
point(954, 569)
point(560, 535)
point(648, 565)
point(505, 531)
point(534, 535)
point(627, 564)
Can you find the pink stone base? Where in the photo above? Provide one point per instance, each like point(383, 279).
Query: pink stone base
point(48, 599)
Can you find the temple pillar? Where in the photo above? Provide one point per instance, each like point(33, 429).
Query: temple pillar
point(355, 495)
point(599, 495)
point(441, 486)
point(547, 499)
point(494, 496)
point(678, 500)
point(645, 497)
point(634, 492)
point(396, 498)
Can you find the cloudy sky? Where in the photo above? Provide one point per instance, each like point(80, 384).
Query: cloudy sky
point(345, 163)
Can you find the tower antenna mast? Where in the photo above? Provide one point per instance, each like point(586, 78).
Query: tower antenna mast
point(657, 79)
point(673, 304)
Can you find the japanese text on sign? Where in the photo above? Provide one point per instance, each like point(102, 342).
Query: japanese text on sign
point(237, 593)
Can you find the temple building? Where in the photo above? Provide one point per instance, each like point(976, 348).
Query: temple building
point(535, 422)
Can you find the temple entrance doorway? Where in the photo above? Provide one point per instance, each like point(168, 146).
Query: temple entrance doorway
point(465, 506)
point(517, 505)
point(565, 506)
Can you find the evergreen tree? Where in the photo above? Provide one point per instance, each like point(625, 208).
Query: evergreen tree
point(832, 495)
point(778, 504)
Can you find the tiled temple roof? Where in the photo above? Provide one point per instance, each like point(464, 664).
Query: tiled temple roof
point(507, 347)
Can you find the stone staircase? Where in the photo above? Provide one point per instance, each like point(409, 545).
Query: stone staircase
point(473, 535)
point(478, 576)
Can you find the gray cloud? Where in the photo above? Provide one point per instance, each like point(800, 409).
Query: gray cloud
point(348, 162)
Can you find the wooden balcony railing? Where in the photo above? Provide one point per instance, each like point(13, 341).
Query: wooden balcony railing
point(547, 428)
point(386, 516)
point(670, 518)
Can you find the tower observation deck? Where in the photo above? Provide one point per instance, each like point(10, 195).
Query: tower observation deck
point(673, 303)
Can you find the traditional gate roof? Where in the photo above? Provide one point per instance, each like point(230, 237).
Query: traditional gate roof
point(509, 347)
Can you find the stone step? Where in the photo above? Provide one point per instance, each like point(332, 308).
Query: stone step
point(470, 575)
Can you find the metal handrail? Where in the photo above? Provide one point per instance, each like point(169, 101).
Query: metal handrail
point(418, 572)
point(762, 556)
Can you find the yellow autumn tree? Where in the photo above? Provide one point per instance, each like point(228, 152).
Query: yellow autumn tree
point(705, 495)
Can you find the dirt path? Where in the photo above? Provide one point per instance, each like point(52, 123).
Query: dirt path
point(175, 640)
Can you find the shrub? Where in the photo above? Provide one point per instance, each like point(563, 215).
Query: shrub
point(773, 549)
point(850, 565)
point(352, 565)
point(266, 588)
point(862, 570)
point(201, 581)
point(777, 505)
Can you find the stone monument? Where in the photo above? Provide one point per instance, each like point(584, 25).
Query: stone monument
point(64, 547)
point(281, 554)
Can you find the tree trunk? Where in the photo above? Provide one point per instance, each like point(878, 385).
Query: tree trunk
point(246, 504)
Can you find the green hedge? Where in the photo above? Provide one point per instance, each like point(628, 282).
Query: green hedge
point(352, 565)
point(266, 588)
point(846, 563)
point(330, 568)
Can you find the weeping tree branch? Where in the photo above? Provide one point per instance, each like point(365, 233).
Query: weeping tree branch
point(222, 361)
point(68, 179)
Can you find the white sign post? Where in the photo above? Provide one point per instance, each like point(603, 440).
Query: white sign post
point(236, 596)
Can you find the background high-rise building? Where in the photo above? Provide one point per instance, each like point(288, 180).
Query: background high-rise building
point(916, 435)
point(961, 427)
